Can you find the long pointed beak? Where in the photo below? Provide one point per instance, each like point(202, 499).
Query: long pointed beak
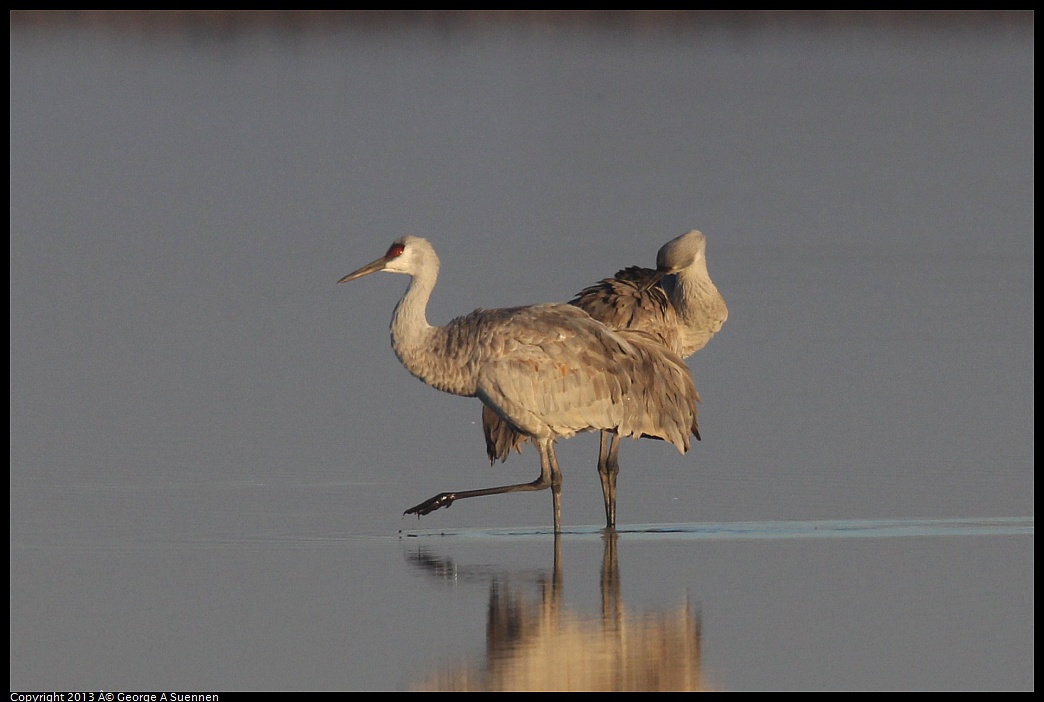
point(377, 265)
point(654, 279)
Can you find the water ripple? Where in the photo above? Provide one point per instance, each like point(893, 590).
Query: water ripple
point(831, 529)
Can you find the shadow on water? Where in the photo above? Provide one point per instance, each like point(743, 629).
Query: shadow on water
point(536, 642)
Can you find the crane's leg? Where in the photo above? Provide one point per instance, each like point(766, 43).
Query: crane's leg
point(608, 468)
point(548, 460)
point(550, 477)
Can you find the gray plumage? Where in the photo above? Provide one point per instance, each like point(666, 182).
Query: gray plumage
point(547, 371)
point(677, 300)
point(676, 303)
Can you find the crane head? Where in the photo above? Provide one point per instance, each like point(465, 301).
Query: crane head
point(399, 258)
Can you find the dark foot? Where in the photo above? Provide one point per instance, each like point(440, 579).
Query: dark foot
point(443, 499)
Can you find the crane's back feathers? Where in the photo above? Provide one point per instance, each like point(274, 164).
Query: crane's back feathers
point(552, 370)
point(627, 301)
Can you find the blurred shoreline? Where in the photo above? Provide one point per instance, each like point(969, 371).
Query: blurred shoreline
point(232, 20)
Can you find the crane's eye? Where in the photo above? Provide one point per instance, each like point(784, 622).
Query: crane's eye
point(395, 250)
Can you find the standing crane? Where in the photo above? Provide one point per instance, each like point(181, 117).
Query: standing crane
point(548, 371)
point(677, 302)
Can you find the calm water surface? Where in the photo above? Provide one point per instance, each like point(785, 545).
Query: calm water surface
point(212, 443)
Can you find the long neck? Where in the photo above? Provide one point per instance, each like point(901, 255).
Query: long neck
point(700, 306)
point(691, 287)
point(427, 351)
point(410, 330)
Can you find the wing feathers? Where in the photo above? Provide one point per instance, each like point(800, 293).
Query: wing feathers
point(565, 373)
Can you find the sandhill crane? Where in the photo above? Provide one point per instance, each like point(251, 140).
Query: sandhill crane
point(677, 302)
point(549, 371)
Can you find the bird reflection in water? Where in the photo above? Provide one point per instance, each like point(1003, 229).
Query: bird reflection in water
point(544, 645)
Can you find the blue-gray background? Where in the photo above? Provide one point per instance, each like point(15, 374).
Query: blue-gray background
point(212, 443)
